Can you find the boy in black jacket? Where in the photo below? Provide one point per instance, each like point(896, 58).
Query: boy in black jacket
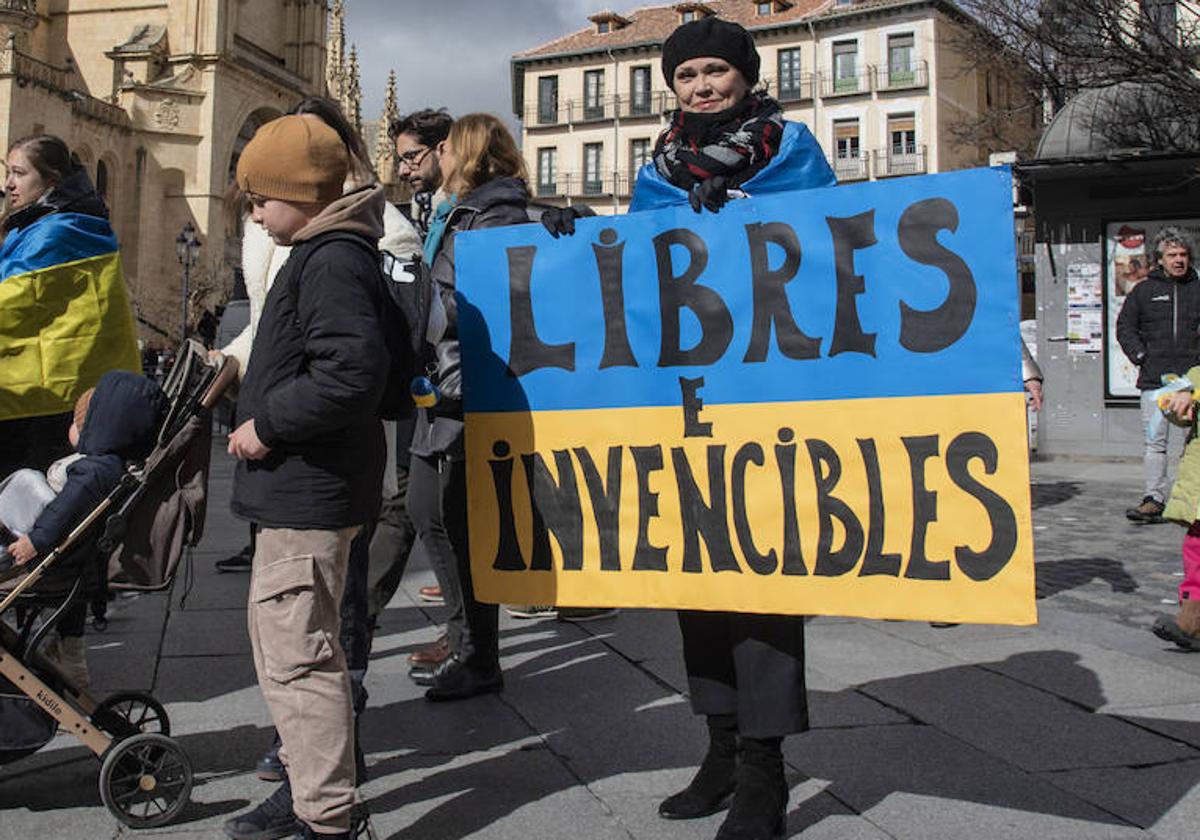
point(310, 452)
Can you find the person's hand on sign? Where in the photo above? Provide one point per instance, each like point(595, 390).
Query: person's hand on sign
point(1033, 387)
point(711, 193)
point(1181, 404)
point(561, 220)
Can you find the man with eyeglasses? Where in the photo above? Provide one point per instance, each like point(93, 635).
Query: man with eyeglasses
point(416, 138)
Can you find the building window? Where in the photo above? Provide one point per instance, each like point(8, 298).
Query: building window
point(592, 181)
point(902, 132)
point(602, 26)
point(593, 94)
point(846, 139)
point(900, 59)
point(848, 161)
point(102, 179)
point(765, 8)
point(639, 154)
point(789, 74)
point(547, 171)
point(639, 91)
point(547, 100)
point(845, 66)
point(688, 16)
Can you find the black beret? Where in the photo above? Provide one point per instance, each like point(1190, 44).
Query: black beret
point(711, 36)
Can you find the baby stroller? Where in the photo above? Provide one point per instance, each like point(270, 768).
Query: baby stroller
point(133, 540)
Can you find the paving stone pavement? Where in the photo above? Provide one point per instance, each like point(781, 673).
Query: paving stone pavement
point(1085, 726)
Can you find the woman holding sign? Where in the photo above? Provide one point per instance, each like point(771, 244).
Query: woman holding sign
point(745, 672)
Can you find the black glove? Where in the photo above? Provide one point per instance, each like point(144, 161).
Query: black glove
point(561, 220)
point(711, 193)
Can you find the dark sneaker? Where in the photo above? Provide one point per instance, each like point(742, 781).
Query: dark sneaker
point(272, 819)
point(1168, 630)
point(524, 611)
point(579, 614)
point(268, 767)
point(456, 680)
point(239, 562)
point(1149, 511)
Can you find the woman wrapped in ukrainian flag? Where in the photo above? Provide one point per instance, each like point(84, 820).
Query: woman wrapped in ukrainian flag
point(65, 316)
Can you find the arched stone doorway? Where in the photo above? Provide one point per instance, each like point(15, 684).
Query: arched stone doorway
point(233, 241)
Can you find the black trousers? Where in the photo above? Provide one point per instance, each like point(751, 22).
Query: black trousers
point(751, 666)
point(393, 544)
point(437, 503)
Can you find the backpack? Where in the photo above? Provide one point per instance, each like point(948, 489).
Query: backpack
point(410, 315)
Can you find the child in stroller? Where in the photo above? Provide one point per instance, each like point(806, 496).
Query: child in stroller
point(115, 422)
point(132, 539)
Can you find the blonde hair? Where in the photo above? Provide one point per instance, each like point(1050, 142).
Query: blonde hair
point(484, 150)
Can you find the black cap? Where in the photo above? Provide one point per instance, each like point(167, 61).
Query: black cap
point(711, 36)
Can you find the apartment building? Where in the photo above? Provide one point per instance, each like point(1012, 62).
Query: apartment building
point(882, 84)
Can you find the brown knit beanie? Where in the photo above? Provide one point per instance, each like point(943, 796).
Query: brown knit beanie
point(294, 158)
point(81, 408)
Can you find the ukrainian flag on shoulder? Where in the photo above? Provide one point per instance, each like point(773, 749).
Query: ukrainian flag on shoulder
point(65, 316)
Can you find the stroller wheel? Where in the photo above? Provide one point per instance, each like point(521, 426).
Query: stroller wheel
point(127, 713)
point(146, 780)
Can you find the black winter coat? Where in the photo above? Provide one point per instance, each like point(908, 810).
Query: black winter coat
point(313, 384)
point(498, 203)
point(1159, 326)
point(122, 424)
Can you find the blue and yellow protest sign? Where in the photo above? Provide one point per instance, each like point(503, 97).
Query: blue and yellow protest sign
point(807, 403)
point(65, 317)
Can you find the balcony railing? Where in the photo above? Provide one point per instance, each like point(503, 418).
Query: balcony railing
point(796, 90)
point(650, 104)
point(551, 187)
point(851, 168)
point(890, 162)
point(20, 12)
point(576, 111)
point(856, 83)
point(540, 116)
point(902, 78)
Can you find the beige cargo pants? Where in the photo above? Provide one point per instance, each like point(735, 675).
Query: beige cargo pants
point(296, 584)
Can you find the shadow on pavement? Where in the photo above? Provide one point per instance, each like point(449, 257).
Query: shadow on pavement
point(1055, 576)
point(1050, 493)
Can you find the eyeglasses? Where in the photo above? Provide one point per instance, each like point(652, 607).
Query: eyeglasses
point(413, 157)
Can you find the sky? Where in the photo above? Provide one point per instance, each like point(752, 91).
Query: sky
point(454, 52)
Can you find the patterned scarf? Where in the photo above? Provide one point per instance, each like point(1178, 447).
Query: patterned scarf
point(735, 143)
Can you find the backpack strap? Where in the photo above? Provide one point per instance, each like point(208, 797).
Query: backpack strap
point(310, 248)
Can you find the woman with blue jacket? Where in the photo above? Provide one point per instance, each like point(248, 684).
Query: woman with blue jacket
point(745, 672)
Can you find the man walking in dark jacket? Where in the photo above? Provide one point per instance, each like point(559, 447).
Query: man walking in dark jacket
point(310, 449)
point(1158, 329)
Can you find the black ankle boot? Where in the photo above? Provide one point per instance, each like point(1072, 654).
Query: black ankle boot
point(759, 807)
point(710, 789)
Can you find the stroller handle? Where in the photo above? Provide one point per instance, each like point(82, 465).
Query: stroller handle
point(226, 374)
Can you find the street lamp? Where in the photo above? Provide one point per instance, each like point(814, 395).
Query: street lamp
point(187, 250)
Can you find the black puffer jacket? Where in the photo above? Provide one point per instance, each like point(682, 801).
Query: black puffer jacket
point(1159, 326)
point(122, 423)
point(498, 203)
point(312, 387)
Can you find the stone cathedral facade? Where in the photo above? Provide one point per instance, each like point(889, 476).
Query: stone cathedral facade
point(158, 100)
